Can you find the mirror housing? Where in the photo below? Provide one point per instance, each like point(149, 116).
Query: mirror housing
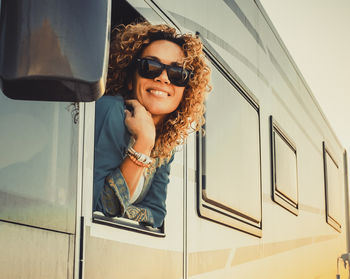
point(54, 50)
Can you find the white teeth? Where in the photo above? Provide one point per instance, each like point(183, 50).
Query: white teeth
point(158, 93)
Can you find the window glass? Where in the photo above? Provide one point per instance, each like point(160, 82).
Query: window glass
point(286, 179)
point(333, 191)
point(38, 163)
point(231, 153)
point(284, 164)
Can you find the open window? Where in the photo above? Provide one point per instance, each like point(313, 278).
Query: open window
point(228, 155)
point(125, 13)
point(333, 193)
point(284, 168)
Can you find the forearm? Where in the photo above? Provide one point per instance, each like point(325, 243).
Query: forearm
point(115, 198)
point(131, 171)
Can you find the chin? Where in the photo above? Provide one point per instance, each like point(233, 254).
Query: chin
point(158, 110)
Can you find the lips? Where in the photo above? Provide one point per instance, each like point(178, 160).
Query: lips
point(158, 93)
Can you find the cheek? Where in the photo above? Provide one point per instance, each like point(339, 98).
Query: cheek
point(180, 95)
point(137, 89)
point(135, 84)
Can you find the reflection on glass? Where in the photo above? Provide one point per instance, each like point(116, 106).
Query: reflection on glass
point(333, 189)
point(232, 151)
point(286, 169)
point(38, 147)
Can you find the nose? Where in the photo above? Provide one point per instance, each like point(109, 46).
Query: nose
point(163, 77)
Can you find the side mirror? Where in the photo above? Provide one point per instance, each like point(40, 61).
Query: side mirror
point(54, 50)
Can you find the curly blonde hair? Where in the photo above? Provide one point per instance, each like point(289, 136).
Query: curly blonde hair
point(127, 44)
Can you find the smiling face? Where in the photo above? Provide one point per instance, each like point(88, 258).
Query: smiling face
point(158, 95)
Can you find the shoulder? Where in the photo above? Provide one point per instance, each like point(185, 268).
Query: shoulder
point(109, 116)
point(110, 103)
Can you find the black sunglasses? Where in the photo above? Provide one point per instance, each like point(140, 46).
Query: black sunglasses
point(149, 68)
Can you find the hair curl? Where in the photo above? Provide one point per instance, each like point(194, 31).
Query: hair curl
point(127, 44)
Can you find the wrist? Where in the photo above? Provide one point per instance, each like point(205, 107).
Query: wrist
point(138, 158)
point(143, 146)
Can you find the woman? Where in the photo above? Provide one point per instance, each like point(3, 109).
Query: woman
point(157, 84)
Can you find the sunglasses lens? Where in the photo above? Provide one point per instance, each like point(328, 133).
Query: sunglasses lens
point(178, 76)
point(149, 68)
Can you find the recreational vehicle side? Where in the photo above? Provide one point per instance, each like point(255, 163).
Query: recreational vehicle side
point(261, 191)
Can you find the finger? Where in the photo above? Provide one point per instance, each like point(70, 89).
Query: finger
point(137, 106)
point(134, 103)
point(127, 113)
point(128, 119)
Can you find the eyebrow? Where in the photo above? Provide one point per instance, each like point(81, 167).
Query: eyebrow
point(157, 59)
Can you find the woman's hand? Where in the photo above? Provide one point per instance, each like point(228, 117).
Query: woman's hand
point(140, 124)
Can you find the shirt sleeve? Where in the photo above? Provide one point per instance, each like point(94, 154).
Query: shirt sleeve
point(111, 138)
point(155, 198)
point(150, 211)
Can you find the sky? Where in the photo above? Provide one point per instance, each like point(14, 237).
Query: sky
point(317, 35)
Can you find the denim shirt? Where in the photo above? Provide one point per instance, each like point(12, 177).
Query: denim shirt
point(111, 193)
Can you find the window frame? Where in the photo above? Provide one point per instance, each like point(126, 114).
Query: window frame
point(276, 195)
point(127, 224)
point(207, 208)
point(329, 219)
